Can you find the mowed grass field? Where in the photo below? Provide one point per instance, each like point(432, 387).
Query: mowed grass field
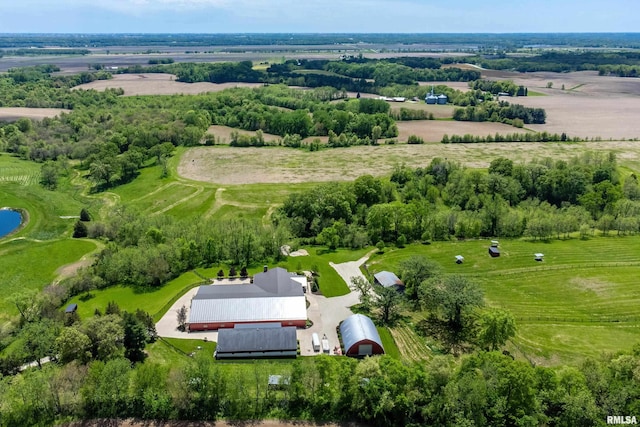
point(580, 301)
point(30, 258)
point(155, 301)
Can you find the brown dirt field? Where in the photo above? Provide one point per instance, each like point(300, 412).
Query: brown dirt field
point(591, 106)
point(434, 130)
point(158, 84)
point(10, 114)
point(234, 165)
point(461, 86)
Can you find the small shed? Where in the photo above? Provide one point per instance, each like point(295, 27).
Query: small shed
point(494, 251)
point(459, 259)
point(277, 382)
point(539, 257)
point(71, 308)
point(360, 336)
point(387, 279)
point(494, 243)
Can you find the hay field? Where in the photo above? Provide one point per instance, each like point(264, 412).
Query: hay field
point(10, 114)
point(158, 84)
point(270, 165)
point(224, 134)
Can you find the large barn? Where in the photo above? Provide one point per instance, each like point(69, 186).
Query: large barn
point(360, 336)
point(273, 297)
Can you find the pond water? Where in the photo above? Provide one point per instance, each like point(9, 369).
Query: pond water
point(9, 221)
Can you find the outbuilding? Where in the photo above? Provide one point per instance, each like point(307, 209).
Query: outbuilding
point(360, 337)
point(387, 279)
point(71, 308)
point(256, 342)
point(539, 257)
point(459, 259)
point(494, 251)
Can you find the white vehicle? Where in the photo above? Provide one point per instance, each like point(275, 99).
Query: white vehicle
point(315, 340)
point(325, 345)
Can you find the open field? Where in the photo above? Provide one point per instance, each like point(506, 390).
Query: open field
point(580, 301)
point(438, 111)
point(434, 130)
point(589, 106)
point(154, 301)
point(235, 166)
point(224, 134)
point(158, 84)
point(10, 114)
point(19, 270)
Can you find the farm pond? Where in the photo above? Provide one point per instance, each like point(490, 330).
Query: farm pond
point(9, 221)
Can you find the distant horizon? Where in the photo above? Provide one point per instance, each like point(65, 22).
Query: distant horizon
point(317, 17)
point(321, 33)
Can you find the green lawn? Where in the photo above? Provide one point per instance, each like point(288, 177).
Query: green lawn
point(155, 301)
point(174, 352)
point(581, 300)
point(390, 347)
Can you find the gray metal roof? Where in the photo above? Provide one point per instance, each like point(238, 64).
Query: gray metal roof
point(388, 279)
point(256, 339)
point(356, 328)
point(276, 282)
point(248, 309)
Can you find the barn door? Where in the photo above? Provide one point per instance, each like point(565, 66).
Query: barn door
point(365, 350)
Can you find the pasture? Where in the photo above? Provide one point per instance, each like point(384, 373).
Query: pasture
point(580, 301)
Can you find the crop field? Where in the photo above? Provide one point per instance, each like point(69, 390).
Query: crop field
point(158, 84)
point(581, 300)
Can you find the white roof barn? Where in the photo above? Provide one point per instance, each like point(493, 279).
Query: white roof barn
point(274, 296)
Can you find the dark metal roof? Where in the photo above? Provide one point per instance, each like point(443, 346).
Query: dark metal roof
point(71, 308)
point(273, 283)
point(356, 328)
point(388, 279)
point(256, 339)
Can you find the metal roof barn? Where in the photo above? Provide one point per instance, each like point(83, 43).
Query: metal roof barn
point(256, 342)
point(388, 279)
point(360, 336)
point(272, 297)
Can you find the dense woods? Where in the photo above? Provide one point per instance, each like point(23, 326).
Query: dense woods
point(486, 389)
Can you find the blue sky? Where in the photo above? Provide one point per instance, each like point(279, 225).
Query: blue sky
point(309, 16)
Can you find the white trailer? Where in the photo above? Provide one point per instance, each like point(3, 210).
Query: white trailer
point(315, 340)
point(325, 345)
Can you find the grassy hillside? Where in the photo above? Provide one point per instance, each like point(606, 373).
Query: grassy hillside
point(581, 300)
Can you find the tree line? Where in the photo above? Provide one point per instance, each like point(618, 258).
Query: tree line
point(541, 199)
point(510, 137)
point(484, 389)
